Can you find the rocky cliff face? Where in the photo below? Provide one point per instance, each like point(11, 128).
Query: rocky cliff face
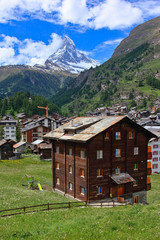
point(146, 32)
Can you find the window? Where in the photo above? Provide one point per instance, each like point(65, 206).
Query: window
point(154, 166)
point(130, 135)
point(70, 151)
point(107, 135)
point(58, 181)
point(135, 183)
point(57, 165)
point(82, 190)
point(82, 154)
point(118, 153)
point(57, 149)
point(99, 172)
point(155, 146)
point(118, 135)
point(70, 186)
point(99, 154)
point(136, 166)
point(82, 172)
point(70, 169)
point(117, 169)
point(136, 150)
point(155, 152)
point(99, 189)
point(155, 159)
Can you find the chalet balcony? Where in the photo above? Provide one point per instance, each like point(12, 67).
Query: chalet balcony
point(149, 171)
point(148, 183)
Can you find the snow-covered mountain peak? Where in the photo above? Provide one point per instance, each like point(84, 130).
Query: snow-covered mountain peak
point(68, 58)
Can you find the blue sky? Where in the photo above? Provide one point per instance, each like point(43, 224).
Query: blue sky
point(32, 30)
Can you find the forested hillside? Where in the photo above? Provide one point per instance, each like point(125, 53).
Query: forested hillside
point(26, 103)
point(130, 77)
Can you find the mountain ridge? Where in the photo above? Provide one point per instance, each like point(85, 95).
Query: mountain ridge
point(130, 77)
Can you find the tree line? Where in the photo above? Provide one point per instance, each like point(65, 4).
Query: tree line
point(26, 103)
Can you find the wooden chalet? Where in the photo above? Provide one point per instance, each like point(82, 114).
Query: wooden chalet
point(6, 149)
point(96, 158)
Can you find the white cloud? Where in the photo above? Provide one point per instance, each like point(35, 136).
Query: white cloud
point(149, 8)
point(96, 14)
point(112, 42)
point(28, 51)
point(115, 14)
point(109, 43)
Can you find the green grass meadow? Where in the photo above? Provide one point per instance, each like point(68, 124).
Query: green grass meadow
point(126, 222)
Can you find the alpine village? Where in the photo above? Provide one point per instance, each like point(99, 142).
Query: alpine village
point(80, 146)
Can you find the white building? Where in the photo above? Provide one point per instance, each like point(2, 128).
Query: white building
point(9, 129)
point(154, 146)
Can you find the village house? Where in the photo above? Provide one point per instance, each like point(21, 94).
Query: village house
point(95, 158)
point(21, 146)
point(9, 127)
point(6, 149)
point(154, 149)
point(37, 129)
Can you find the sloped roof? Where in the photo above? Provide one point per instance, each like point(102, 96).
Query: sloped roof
point(85, 128)
point(19, 144)
point(122, 178)
point(2, 142)
point(45, 146)
point(38, 141)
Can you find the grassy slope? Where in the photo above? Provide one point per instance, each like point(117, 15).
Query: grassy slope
point(131, 222)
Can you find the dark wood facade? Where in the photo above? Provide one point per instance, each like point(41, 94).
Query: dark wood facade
point(86, 175)
point(6, 149)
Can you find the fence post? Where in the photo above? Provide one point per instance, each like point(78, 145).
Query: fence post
point(101, 204)
point(68, 204)
point(24, 209)
point(48, 206)
point(86, 204)
point(113, 203)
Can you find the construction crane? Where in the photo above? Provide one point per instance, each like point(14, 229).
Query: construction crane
point(44, 108)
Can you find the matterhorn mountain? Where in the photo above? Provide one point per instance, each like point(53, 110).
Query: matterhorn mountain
point(68, 59)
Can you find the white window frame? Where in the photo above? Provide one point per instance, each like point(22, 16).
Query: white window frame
point(99, 154)
point(70, 186)
point(70, 152)
point(136, 150)
point(57, 149)
point(58, 181)
point(82, 154)
point(57, 165)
